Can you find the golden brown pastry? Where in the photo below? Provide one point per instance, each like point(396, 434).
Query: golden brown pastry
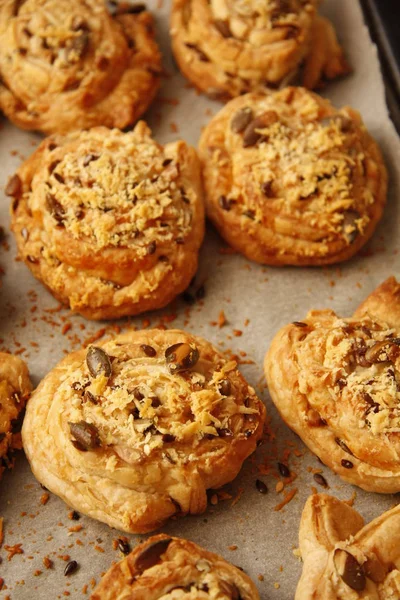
point(230, 47)
point(345, 560)
point(137, 429)
point(68, 64)
point(170, 568)
point(15, 387)
point(336, 383)
point(111, 222)
point(290, 180)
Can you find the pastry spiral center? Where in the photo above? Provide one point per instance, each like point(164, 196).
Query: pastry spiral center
point(117, 196)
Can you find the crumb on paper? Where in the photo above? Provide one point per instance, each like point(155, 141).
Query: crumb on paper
point(13, 550)
point(288, 497)
point(221, 319)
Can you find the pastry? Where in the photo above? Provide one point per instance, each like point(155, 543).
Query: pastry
point(110, 222)
point(345, 560)
point(67, 64)
point(15, 387)
point(336, 383)
point(135, 430)
point(229, 47)
point(290, 180)
point(173, 568)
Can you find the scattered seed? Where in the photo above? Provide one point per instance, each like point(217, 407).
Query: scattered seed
point(261, 487)
point(155, 402)
point(320, 479)
point(148, 350)
point(343, 446)
point(124, 546)
point(241, 119)
point(70, 568)
point(98, 362)
point(138, 394)
point(181, 357)
point(85, 434)
point(75, 516)
point(283, 470)
point(89, 397)
point(347, 464)
point(299, 324)
point(224, 387)
point(14, 187)
point(151, 248)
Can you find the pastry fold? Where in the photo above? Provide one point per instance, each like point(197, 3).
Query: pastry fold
point(291, 180)
point(336, 383)
point(345, 560)
point(67, 64)
point(229, 47)
point(168, 568)
point(135, 430)
point(110, 222)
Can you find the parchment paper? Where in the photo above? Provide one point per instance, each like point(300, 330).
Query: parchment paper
point(267, 297)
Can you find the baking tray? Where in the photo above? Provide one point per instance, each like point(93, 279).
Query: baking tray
point(245, 527)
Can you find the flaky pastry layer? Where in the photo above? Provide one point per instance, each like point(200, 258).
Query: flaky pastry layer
point(137, 429)
point(230, 47)
point(169, 568)
point(345, 560)
point(67, 64)
point(336, 383)
point(291, 180)
point(111, 222)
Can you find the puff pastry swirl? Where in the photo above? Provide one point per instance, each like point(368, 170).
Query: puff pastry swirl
point(137, 429)
point(15, 387)
point(345, 560)
point(230, 47)
point(68, 64)
point(336, 383)
point(290, 180)
point(169, 568)
point(111, 222)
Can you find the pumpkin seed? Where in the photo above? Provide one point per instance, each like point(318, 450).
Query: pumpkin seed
point(98, 362)
point(349, 570)
point(181, 357)
point(85, 434)
point(241, 119)
point(151, 555)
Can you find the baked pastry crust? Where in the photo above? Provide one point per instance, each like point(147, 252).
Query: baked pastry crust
point(227, 48)
point(110, 222)
point(15, 388)
point(290, 180)
point(344, 560)
point(163, 565)
point(335, 382)
point(161, 424)
point(67, 64)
